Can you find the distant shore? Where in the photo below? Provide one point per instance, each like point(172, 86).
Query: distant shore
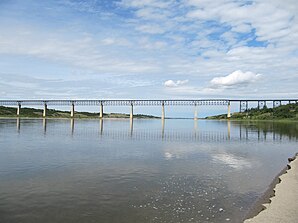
point(9, 112)
point(282, 113)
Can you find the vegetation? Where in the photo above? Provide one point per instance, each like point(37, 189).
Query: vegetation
point(283, 112)
point(52, 113)
point(289, 129)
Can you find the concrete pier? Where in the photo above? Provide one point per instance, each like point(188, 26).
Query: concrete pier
point(44, 114)
point(101, 111)
point(163, 110)
point(131, 111)
point(19, 109)
point(229, 110)
point(72, 111)
point(196, 113)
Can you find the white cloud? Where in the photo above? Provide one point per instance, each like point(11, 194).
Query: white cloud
point(236, 78)
point(151, 29)
point(161, 40)
point(171, 83)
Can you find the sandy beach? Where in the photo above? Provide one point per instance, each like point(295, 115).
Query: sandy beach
point(283, 205)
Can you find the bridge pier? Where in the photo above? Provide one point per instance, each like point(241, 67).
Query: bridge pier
point(131, 111)
point(196, 113)
point(19, 109)
point(163, 110)
point(101, 111)
point(229, 110)
point(72, 111)
point(44, 114)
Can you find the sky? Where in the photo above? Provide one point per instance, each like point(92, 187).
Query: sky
point(148, 49)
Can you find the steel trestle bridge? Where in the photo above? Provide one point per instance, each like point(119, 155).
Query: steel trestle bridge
point(243, 103)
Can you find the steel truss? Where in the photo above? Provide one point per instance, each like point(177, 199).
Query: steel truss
point(115, 102)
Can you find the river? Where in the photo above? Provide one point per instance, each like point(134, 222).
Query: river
point(141, 171)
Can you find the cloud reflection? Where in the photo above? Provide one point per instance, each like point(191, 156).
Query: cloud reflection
point(235, 162)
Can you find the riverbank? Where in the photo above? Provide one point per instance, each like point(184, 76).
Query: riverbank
point(283, 112)
point(279, 203)
point(9, 112)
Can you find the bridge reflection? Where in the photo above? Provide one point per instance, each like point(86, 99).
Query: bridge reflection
point(230, 131)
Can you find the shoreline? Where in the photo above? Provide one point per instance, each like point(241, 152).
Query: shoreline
point(78, 118)
point(263, 203)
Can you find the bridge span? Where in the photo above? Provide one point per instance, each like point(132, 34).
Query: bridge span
point(243, 104)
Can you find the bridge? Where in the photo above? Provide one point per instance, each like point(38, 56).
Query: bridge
point(243, 104)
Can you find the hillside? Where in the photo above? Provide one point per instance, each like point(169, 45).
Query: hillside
point(283, 112)
point(52, 113)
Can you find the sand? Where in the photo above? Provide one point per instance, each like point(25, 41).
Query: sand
point(283, 207)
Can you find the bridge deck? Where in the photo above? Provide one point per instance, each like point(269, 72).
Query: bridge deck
point(140, 102)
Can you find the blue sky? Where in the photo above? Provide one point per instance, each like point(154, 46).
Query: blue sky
point(148, 49)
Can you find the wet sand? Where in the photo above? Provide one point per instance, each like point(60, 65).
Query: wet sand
point(280, 202)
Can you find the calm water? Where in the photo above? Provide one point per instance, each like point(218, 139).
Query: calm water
point(145, 171)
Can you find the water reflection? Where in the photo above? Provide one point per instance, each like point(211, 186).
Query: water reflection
point(44, 124)
point(18, 125)
point(162, 128)
point(131, 126)
point(233, 130)
point(141, 171)
point(72, 122)
point(101, 126)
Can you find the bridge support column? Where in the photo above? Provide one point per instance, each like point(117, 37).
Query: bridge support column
point(196, 112)
point(163, 110)
point(44, 114)
point(229, 110)
point(72, 111)
point(19, 109)
point(131, 111)
point(101, 111)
